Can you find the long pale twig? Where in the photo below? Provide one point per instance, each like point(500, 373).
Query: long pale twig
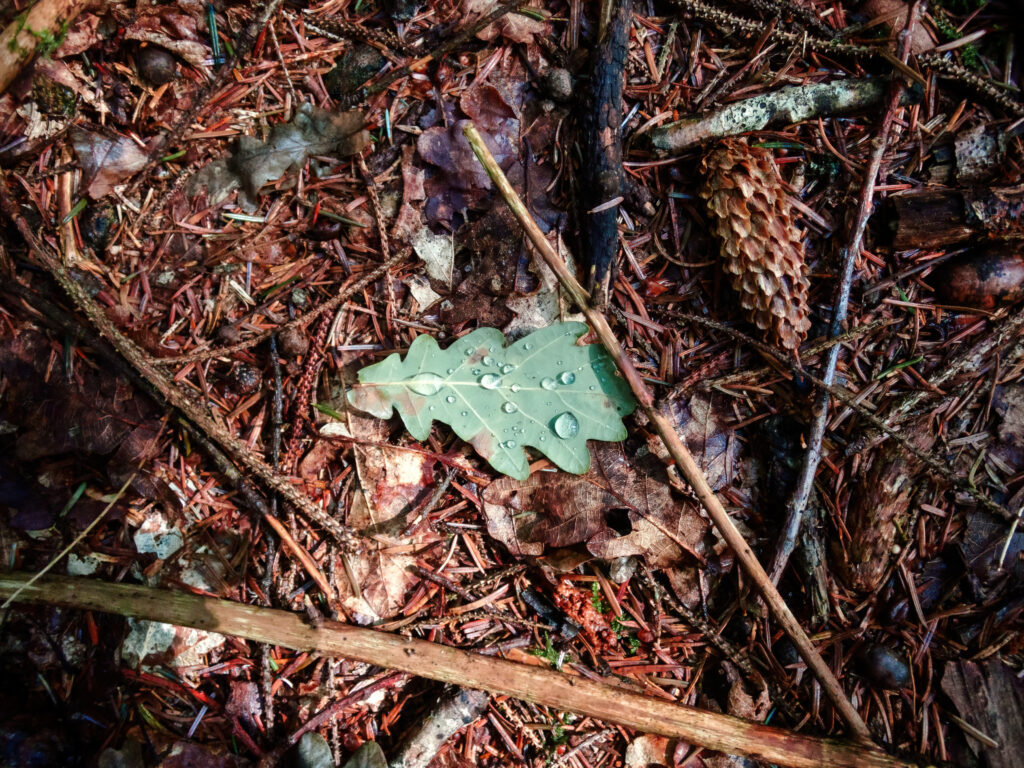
point(797, 505)
point(676, 448)
point(454, 665)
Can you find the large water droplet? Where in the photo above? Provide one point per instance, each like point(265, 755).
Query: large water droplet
point(506, 368)
point(450, 399)
point(490, 381)
point(509, 407)
point(488, 360)
point(510, 443)
point(566, 426)
point(567, 377)
point(426, 384)
point(515, 387)
point(548, 383)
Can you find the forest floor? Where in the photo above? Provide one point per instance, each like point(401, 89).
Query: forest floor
point(215, 215)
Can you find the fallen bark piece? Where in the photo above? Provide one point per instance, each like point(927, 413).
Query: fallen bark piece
point(786, 106)
point(601, 176)
point(990, 699)
point(453, 665)
point(940, 218)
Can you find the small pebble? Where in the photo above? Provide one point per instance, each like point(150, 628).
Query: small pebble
point(885, 667)
point(556, 83)
point(293, 342)
point(246, 379)
point(156, 65)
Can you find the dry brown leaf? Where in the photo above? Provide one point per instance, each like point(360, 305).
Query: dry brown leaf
point(702, 425)
point(106, 162)
point(391, 482)
point(617, 509)
point(893, 14)
point(512, 26)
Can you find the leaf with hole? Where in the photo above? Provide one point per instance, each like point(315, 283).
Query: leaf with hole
point(544, 392)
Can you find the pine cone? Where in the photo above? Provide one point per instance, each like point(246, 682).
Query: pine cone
point(762, 247)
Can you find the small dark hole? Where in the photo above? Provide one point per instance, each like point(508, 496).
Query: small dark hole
point(618, 521)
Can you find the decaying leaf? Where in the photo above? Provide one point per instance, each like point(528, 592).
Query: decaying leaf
point(544, 392)
point(617, 509)
point(313, 131)
point(649, 750)
point(513, 26)
point(711, 442)
point(106, 162)
point(153, 644)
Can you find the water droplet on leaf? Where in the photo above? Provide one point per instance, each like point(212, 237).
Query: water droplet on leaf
point(566, 426)
point(507, 368)
point(450, 399)
point(509, 407)
point(490, 381)
point(567, 377)
point(527, 346)
point(515, 387)
point(425, 384)
point(548, 383)
point(488, 360)
point(510, 443)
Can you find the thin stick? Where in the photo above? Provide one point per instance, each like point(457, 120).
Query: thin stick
point(676, 448)
point(797, 505)
point(453, 665)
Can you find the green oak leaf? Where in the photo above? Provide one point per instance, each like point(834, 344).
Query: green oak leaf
point(544, 392)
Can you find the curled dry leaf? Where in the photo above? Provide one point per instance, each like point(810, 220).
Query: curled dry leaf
point(617, 509)
point(168, 27)
point(106, 162)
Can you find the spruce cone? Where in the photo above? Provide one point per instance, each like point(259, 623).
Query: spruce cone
point(761, 246)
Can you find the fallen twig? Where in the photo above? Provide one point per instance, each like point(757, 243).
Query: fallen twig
point(786, 105)
point(676, 448)
point(453, 665)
